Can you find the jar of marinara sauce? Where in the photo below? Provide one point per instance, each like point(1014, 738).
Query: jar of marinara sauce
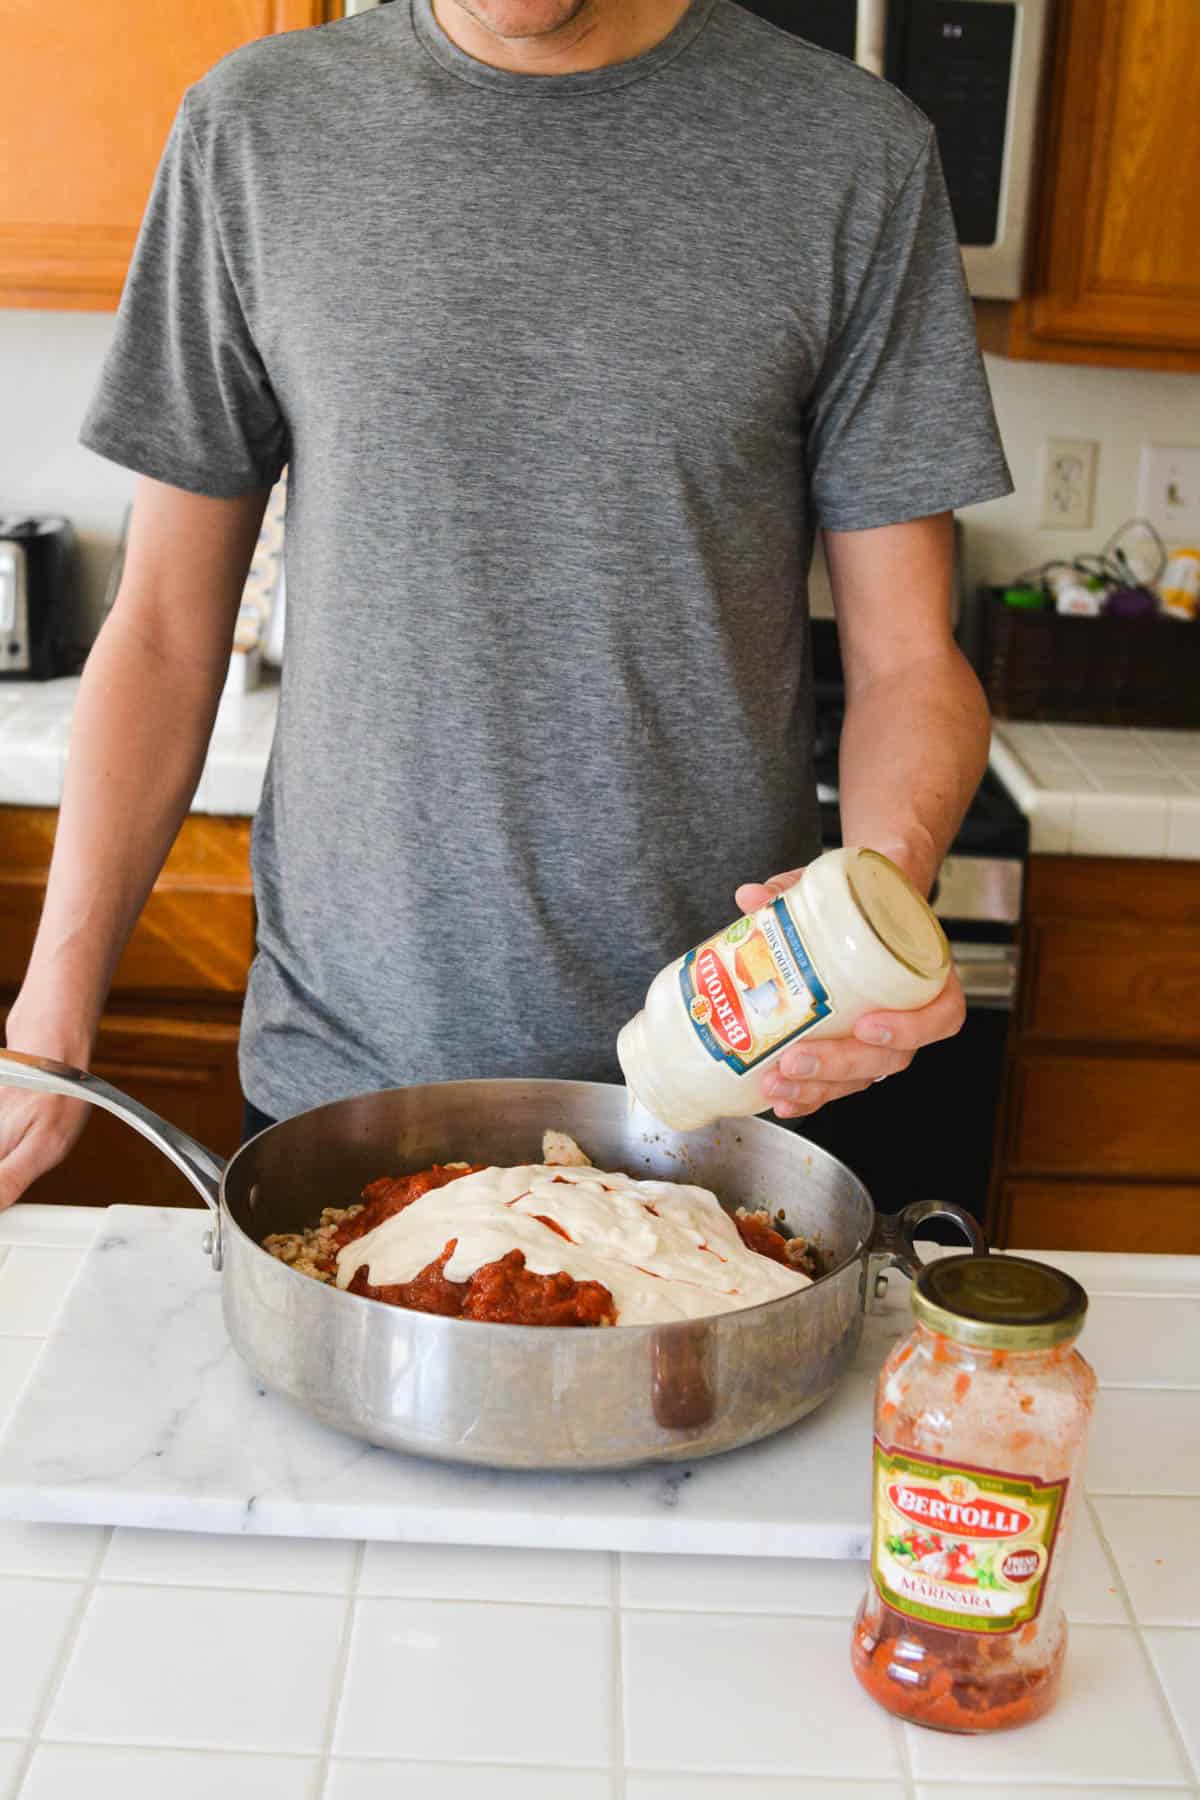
point(981, 1420)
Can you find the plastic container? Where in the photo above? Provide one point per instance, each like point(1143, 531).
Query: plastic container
point(1179, 588)
point(1075, 595)
point(851, 936)
point(981, 1420)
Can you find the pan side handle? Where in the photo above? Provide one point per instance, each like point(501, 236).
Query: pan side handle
point(892, 1245)
point(41, 1076)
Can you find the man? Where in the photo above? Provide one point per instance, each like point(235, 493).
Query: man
point(572, 320)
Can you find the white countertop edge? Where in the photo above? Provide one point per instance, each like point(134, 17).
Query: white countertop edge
point(673, 1533)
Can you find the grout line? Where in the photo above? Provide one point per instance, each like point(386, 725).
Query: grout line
point(616, 1729)
point(1096, 1293)
point(297, 1756)
point(586, 1606)
point(1143, 1646)
point(321, 1772)
point(1091, 1789)
point(900, 1739)
point(1149, 1387)
point(306, 1756)
point(61, 1663)
point(1107, 1493)
point(333, 1593)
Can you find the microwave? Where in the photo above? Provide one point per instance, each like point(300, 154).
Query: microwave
point(975, 69)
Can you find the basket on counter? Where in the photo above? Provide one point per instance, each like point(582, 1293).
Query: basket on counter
point(1069, 670)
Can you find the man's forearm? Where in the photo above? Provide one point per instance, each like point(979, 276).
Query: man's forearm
point(914, 747)
point(141, 726)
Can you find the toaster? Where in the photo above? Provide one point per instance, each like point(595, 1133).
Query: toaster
point(35, 558)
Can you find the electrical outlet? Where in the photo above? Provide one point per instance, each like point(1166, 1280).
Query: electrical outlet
point(1169, 490)
point(1068, 483)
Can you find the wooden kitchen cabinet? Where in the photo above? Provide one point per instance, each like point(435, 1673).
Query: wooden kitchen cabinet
point(170, 1034)
point(1114, 276)
point(87, 96)
point(1098, 1144)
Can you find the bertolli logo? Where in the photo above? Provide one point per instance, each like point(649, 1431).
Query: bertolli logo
point(977, 1517)
point(727, 1020)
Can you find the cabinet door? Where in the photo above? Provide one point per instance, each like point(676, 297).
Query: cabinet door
point(194, 939)
point(1116, 278)
point(185, 1071)
point(1101, 1215)
point(87, 94)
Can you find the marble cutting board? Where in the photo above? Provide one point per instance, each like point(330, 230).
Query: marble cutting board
point(140, 1412)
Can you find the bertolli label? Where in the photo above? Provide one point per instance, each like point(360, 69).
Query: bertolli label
point(963, 1547)
point(752, 988)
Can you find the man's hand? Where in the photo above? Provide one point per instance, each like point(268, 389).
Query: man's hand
point(36, 1132)
point(809, 1075)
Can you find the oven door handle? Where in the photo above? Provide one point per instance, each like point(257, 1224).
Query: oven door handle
point(988, 973)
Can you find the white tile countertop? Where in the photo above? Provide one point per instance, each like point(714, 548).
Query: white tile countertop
point(135, 1664)
point(35, 725)
point(1103, 790)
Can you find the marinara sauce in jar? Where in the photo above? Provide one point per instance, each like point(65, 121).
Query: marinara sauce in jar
point(981, 1420)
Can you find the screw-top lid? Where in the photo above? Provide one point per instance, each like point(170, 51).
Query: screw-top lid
point(901, 918)
point(999, 1302)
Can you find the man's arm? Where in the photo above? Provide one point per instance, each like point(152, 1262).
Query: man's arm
point(914, 747)
point(142, 722)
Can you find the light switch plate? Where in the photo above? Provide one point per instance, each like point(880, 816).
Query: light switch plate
point(1068, 483)
point(1169, 490)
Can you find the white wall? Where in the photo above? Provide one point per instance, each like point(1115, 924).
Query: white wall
point(49, 362)
point(48, 365)
point(1121, 408)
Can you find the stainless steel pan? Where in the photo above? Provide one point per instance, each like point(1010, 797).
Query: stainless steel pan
point(511, 1396)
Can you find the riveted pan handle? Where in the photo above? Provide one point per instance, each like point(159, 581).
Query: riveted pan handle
point(200, 1166)
point(892, 1246)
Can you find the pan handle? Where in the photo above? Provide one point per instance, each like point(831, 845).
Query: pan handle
point(892, 1246)
point(200, 1166)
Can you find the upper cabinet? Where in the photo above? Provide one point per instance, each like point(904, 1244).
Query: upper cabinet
point(87, 95)
point(1115, 277)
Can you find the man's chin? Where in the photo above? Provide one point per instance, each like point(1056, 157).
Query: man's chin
point(523, 18)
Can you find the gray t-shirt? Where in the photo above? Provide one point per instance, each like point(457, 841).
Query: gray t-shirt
point(566, 371)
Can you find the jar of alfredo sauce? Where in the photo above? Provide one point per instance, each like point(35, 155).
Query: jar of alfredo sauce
point(853, 935)
point(981, 1423)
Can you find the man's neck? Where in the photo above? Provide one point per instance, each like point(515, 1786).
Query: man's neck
point(602, 32)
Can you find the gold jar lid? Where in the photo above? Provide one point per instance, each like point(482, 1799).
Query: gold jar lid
point(999, 1302)
point(900, 917)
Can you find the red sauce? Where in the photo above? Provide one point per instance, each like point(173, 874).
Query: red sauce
point(384, 1198)
point(929, 1675)
point(429, 1291)
point(507, 1293)
point(500, 1293)
point(553, 1225)
point(758, 1236)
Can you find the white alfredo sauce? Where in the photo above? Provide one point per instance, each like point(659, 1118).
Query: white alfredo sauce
point(683, 1260)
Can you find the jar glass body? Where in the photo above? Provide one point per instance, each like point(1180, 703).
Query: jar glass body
point(1017, 1417)
point(716, 1020)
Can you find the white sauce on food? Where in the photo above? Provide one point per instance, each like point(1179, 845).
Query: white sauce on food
point(683, 1260)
